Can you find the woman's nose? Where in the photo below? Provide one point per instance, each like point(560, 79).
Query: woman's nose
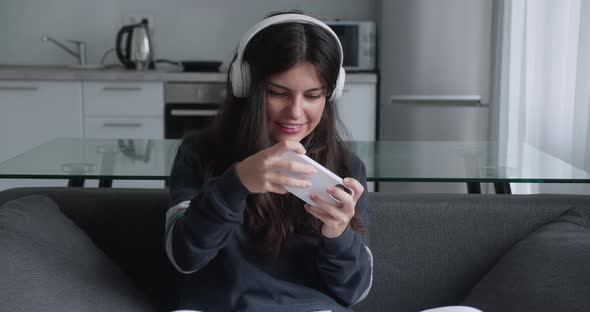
point(296, 106)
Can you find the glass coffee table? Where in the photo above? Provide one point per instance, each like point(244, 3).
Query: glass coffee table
point(104, 160)
point(472, 163)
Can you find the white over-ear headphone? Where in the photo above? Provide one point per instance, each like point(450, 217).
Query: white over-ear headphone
point(240, 71)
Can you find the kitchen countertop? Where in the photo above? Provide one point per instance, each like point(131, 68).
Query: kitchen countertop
point(71, 73)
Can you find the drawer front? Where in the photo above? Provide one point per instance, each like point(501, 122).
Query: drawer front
point(123, 98)
point(357, 110)
point(124, 128)
point(34, 112)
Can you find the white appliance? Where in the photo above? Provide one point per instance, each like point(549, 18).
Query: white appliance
point(358, 39)
point(435, 67)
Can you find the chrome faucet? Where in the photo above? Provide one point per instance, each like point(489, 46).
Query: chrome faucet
point(80, 54)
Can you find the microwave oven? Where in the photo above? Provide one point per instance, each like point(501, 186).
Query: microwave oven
point(358, 39)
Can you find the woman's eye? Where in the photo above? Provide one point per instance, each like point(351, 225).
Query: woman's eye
point(274, 93)
point(313, 96)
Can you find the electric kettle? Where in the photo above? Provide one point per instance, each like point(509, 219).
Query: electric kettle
point(134, 47)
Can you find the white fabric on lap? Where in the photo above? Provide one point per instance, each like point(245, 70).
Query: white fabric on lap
point(453, 309)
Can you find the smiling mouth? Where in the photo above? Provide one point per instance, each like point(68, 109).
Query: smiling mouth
point(290, 128)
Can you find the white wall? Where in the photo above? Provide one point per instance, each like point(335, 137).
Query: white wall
point(183, 29)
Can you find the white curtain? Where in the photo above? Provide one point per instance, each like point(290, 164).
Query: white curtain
point(541, 92)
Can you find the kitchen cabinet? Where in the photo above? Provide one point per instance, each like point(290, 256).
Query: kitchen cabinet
point(123, 98)
point(34, 112)
point(124, 127)
point(357, 110)
point(123, 110)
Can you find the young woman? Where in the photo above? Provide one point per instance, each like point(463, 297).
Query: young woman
point(245, 243)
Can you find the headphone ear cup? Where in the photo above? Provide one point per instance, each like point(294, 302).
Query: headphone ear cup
point(240, 79)
point(339, 85)
point(245, 79)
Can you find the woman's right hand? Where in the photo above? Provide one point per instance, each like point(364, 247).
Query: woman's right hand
point(265, 171)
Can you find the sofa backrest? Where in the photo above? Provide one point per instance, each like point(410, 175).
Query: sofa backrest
point(429, 250)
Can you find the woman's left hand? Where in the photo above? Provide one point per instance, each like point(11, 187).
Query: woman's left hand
point(336, 218)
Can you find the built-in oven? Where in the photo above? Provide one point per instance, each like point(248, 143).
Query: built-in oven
point(190, 106)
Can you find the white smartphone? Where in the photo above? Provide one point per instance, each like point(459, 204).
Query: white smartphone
point(320, 181)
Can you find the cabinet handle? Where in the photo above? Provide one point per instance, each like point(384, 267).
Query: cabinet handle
point(436, 98)
point(193, 112)
point(116, 88)
point(122, 124)
point(19, 88)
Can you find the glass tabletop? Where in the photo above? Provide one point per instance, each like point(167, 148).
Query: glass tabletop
point(117, 159)
point(459, 161)
point(411, 161)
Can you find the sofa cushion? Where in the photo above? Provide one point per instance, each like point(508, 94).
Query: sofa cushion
point(546, 271)
point(49, 264)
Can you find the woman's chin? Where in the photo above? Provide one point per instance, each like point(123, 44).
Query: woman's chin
point(283, 137)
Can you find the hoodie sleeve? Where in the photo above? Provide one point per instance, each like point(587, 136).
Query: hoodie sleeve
point(203, 215)
point(345, 263)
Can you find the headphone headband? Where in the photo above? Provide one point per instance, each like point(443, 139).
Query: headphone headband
point(280, 19)
point(240, 73)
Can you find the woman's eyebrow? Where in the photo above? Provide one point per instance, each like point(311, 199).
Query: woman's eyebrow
point(286, 88)
point(278, 86)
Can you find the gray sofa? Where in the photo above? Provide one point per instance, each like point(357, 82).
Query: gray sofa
point(494, 252)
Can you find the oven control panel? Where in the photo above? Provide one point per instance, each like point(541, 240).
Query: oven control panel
point(194, 92)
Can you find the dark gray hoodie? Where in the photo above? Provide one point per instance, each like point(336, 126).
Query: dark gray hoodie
point(206, 239)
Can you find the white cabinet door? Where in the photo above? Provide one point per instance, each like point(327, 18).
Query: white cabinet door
point(115, 99)
point(357, 110)
point(124, 110)
point(34, 112)
point(124, 127)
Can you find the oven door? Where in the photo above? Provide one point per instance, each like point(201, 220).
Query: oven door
point(183, 118)
point(190, 106)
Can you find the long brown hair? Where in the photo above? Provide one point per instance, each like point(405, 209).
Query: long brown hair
point(240, 129)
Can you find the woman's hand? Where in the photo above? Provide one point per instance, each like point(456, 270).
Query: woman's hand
point(265, 171)
point(336, 218)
